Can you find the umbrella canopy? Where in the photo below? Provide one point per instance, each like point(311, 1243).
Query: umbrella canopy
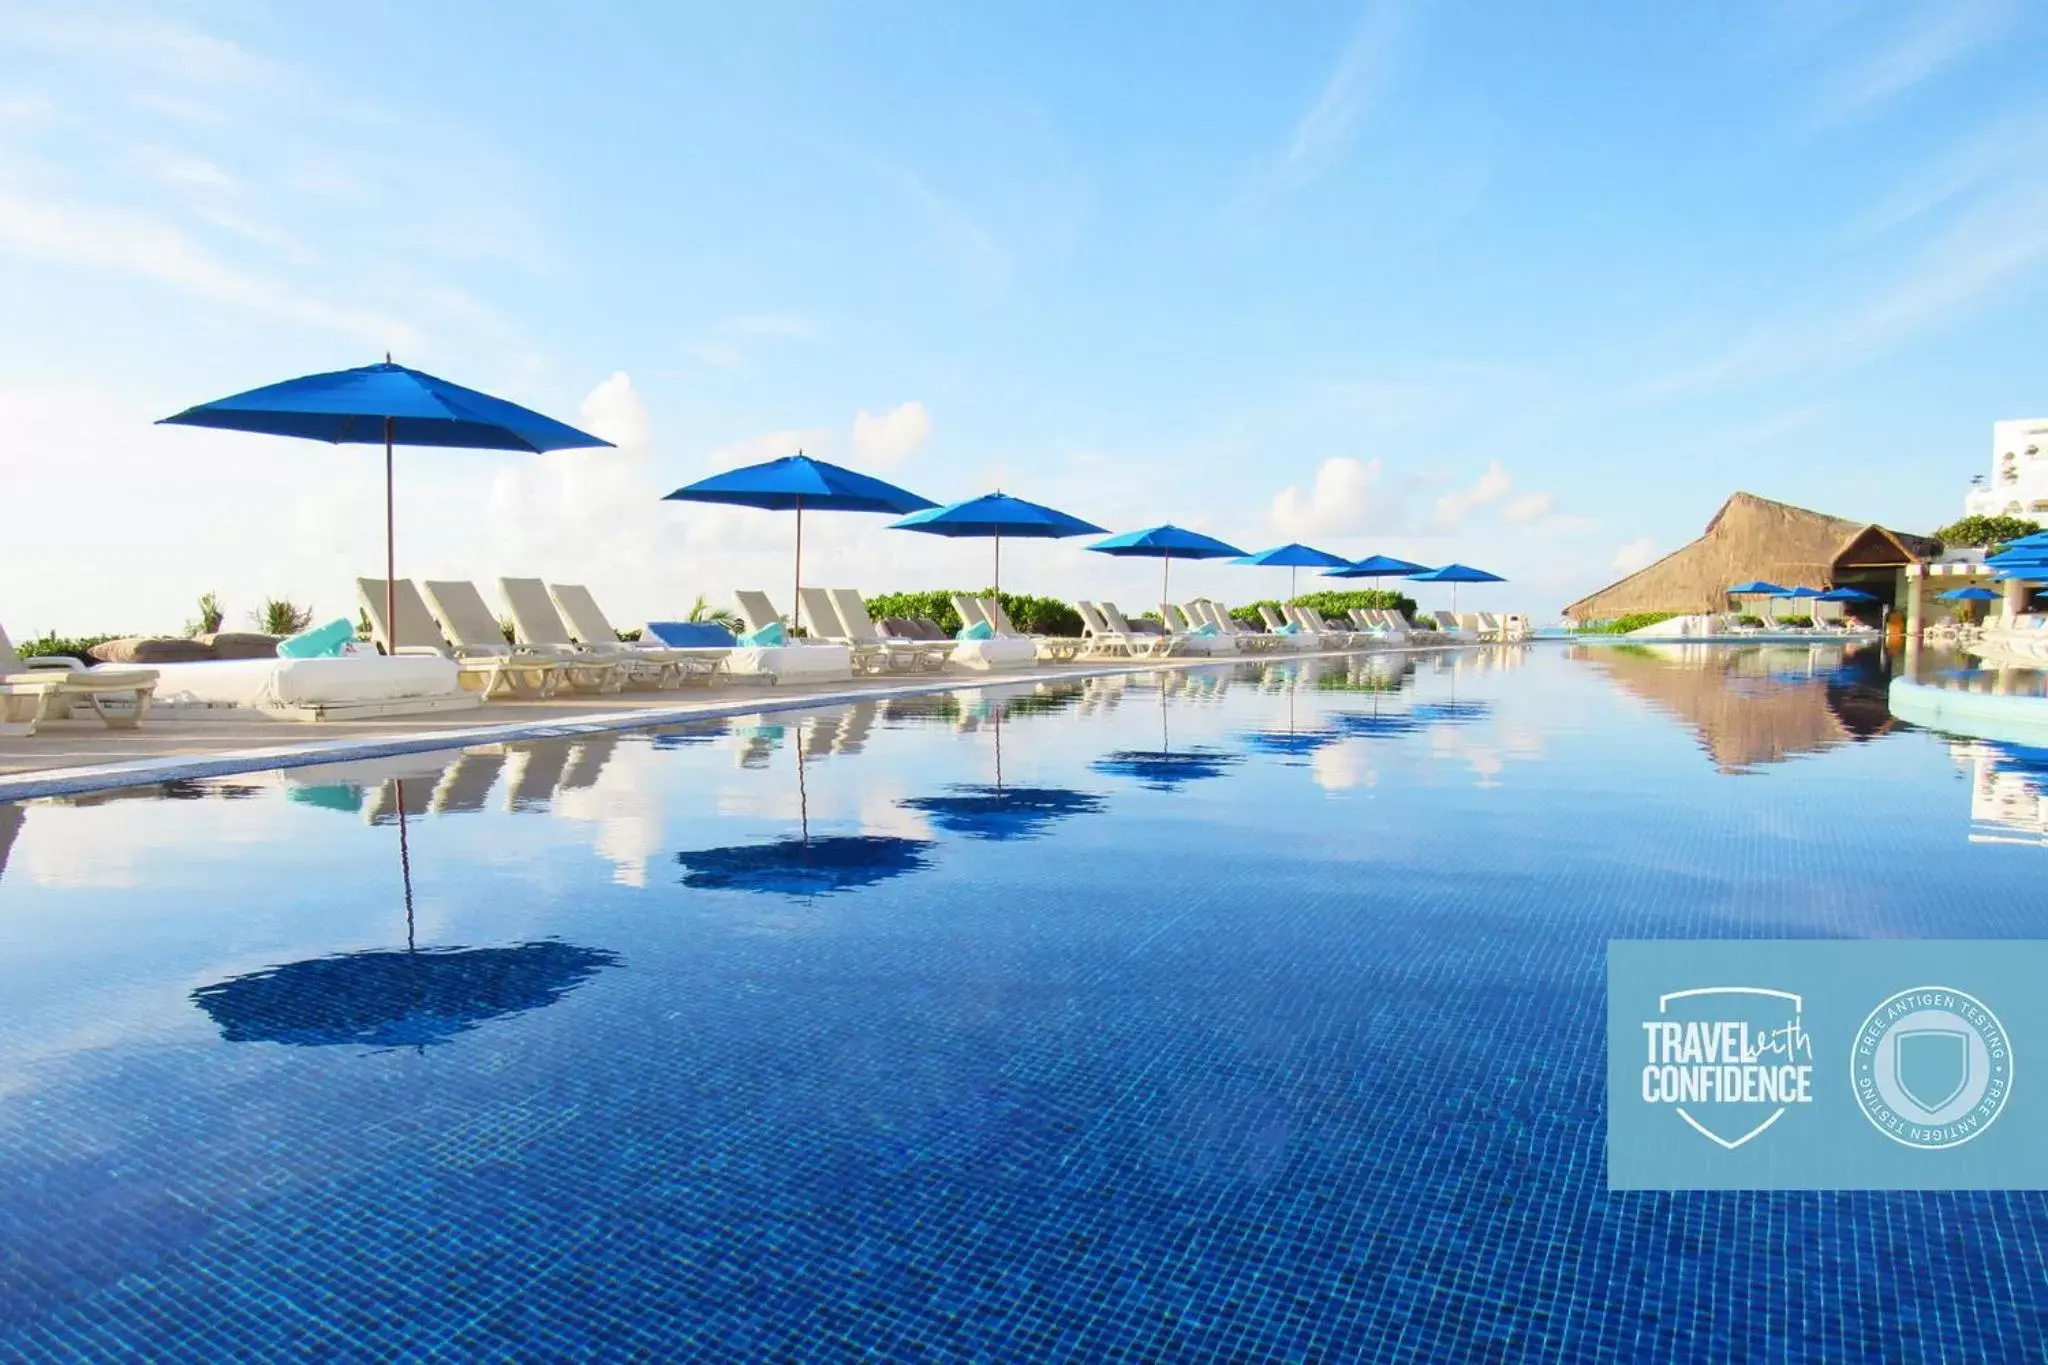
point(396, 999)
point(2019, 556)
point(796, 482)
point(1756, 587)
point(993, 516)
point(1294, 557)
point(1801, 591)
point(1845, 595)
point(2037, 541)
point(1454, 574)
point(1378, 566)
point(1166, 543)
point(391, 405)
point(1970, 594)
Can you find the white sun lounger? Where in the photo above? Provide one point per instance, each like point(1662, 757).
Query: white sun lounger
point(868, 656)
point(33, 691)
point(801, 660)
point(538, 626)
point(1056, 648)
point(858, 628)
point(489, 671)
point(472, 626)
point(1154, 646)
point(589, 627)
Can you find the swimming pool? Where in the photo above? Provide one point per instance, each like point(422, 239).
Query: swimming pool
point(1248, 1011)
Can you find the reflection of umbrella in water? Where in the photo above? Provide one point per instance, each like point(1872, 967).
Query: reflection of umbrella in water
point(391, 998)
point(801, 865)
point(1163, 769)
point(980, 811)
point(1291, 742)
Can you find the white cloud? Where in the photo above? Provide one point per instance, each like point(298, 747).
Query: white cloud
point(1635, 554)
point(1530, 507)
point(182, 170)
point(1454, 507)
point(890, 439)
point(1357, 83)
point(616, 412)
point(1940, 34)
point(1345, 499)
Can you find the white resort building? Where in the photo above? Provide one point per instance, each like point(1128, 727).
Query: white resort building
point(2017, 485)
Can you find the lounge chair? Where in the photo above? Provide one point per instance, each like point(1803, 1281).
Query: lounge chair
point(1056, 648)
point(1246, 639)
point(858, 628)
point(870, 655)
point(1447, 624)
point(1191, 636)
point(589, 627)
point(489, 670)
point(472, 626)
point(1313, 625)
point(1003, 648)
point(538, 626)
point(970, 611)
point(1150, 644)
point(802, 659)
point(1100, 640)
point(36, 690)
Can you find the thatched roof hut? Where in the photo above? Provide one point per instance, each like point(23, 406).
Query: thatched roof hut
point(1753, 537)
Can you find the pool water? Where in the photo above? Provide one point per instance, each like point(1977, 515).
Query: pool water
point(1249, 1012)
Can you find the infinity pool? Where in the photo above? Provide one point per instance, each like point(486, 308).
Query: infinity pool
point(1247, 1012)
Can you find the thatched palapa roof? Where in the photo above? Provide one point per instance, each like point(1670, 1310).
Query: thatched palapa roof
point(1749, 538)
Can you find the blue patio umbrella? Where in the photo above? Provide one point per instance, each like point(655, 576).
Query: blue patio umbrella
point(1166, 543)
point(1454, 574)
point(2037, 541)
point(1294, 557)
point(793, 483)
point(993, 516)
point(1969, 594)
point(1845, 595)
point(386, 404)
point(2019, 556)
point(1758, 587)
point(1378, 566)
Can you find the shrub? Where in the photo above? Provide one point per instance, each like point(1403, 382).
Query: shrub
point(279, 616)
point(1333, 604)
point(210, 616)
point(1800, 621)
point(1032, 615)
point(1986, 530)
point(55, 646)
point(1622, 625)
point(1748, 620)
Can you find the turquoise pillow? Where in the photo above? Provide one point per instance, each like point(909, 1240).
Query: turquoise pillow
point(1206, 628)
point(980, 630)
point(770, 636)
point(1289, 629)
point(321, 642)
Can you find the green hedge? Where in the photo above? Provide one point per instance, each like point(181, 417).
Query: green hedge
point(58, 646)
point(1334, 605)
point(1032, 615)
point(1622, 625)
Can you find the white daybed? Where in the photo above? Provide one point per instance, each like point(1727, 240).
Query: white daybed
point(352, 686)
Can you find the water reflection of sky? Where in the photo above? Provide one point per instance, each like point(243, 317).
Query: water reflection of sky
point(762, 1003)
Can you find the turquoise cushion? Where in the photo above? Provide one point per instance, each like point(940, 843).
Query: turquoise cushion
point(1289, 629)
point(980, 630)
point(321, 642)
point(1206, 628)
point(770, 636)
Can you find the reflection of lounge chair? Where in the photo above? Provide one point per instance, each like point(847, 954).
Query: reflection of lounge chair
point(589, 627)
point(587, 760)
point(542, 764)
point(468, 783)
point(34, 691)
point(473, 627)
point(11, 820)
point(857, 627)
point(538, 626)
point(489, 672)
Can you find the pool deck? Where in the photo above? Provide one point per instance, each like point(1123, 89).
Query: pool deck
point(81, 755)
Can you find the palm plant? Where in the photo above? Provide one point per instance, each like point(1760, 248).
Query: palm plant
point(280, 616)
point(702, 610)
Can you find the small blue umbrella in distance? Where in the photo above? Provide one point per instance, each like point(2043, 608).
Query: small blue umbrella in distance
point(1166, 543)
point(1293, 557)
point(794, 483)
point(1378, 566)
point(389, 405)
point(1969, 594)
point(993, 516)
point(1454, 574)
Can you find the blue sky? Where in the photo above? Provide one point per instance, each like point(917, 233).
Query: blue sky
point(1523, 286)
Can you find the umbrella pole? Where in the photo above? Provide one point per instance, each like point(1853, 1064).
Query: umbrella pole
point(1293, 586)
point(390, 555)
point(1165, 570)
point(796, 610)
point(999, 574)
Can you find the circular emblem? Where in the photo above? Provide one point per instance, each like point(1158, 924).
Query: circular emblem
point(1931, 1067)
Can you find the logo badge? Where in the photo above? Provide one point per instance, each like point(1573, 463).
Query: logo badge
point(1932, 1067)
point(1729, 1060)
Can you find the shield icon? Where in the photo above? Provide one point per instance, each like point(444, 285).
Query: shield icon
point(1931, 1065)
